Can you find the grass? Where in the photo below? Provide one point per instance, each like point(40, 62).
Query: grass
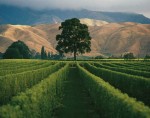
point(77, 102)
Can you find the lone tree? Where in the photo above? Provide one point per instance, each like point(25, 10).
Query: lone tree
point(74, 38)
point(17, 50)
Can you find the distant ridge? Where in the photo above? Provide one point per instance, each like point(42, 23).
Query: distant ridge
point(92, 22)
point(26, 16)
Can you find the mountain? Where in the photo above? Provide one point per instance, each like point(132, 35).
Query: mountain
point(26, 16)
point(107, 38)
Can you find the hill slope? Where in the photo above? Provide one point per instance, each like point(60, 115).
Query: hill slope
point(107, 38)
point(33, 37)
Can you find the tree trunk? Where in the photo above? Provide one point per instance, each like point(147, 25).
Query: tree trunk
point(74, 55)
point(75, 51)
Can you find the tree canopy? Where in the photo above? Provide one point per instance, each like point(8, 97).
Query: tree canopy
point(17, 50)
point(128, 55)
point(74, 38)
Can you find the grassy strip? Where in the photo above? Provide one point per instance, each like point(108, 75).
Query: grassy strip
point(5, 64)
point(110, 102)
point(142, 67)
point(134, 86)
point(27, 68)
point(20, 66)
point(125, 70)
point(145, 68)
point(11, 85)
point(145, 63)
point(77, 102)
point(40, 101)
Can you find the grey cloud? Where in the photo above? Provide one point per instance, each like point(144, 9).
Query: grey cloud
point(139, 6)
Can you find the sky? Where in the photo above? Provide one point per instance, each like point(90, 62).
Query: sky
point(134, 6)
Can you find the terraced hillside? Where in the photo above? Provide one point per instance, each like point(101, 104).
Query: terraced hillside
point(82, 89)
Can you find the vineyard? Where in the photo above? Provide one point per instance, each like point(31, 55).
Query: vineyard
point(81, 89)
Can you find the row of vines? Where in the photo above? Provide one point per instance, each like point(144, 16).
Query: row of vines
point(34, 88)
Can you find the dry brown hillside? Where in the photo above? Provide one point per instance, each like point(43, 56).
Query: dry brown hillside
point(107, 38)
point(33, 37)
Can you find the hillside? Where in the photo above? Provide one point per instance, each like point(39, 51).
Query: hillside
point(107, 38)
point(33, 37)
point(26, 16)
point(92, 22)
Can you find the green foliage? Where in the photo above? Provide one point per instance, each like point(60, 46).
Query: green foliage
point(74, 37)
point(1, 55)
point(125, 70)
point(134, 86)
point(99, 57)
point(12, 53)
point(18, 50)
point(39, 101)
point(134, 66)
point(24, 68)
point(147, 57)
point(35, 89)
point(17, 64)
point(115, 57)
point(35, 55)
point(43, 53)
point(49, 55)
point(128, 56)
point(110, 102)
point(11, 85)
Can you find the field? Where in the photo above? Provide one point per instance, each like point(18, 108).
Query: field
point(81, 89)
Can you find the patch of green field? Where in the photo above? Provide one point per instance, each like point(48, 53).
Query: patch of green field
point(81, 89)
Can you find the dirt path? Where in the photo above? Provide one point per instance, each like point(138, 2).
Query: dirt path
point(77, 102)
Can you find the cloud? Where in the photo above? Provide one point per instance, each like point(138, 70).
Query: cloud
point(138, 6)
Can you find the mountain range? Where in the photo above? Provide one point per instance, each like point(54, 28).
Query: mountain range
point(25, 16)
point(107, 38)
point(113, 33)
